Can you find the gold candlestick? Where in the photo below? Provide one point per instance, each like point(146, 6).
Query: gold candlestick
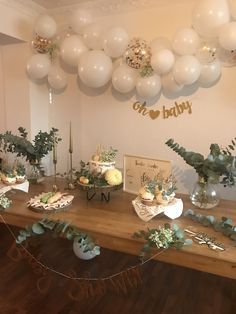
point(71, 185)
point(55, 187)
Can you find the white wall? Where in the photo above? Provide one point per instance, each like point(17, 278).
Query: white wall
point(16, 86)
point(22, 102)
point(2, 96)
point(106, 117)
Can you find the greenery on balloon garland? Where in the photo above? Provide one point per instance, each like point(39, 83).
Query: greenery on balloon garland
point(58, 228)
point(161, 238)
point(225, 226)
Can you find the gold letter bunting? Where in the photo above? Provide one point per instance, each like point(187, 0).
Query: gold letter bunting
point(175, 111)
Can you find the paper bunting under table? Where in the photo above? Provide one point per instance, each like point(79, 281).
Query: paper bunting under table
point(92, 190)
point(35, 203)
point(146, 212)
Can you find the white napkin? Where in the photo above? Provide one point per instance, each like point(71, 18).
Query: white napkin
point(146, 213)
point(21, 186)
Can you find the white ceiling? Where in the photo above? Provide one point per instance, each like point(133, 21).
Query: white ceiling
point(53, 4)
point(105, 5)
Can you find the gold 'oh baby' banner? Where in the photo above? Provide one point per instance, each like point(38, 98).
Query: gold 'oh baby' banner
point(164, 113)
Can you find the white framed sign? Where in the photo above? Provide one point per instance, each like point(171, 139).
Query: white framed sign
point(136, 167)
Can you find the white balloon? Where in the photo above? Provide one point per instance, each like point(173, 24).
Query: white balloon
point(61, 35)
point(95, 68)
point(57, 77)
point(162, 61)
point(169, 84)
point(186, 70)
point(208, 16)
point(38, 66)
point(92, 36)
point(160, 43)
point(79, 19)
point(148, 87)
point(186, 41)
point(124, 79)
point(45, 26)
point(210, 73)
point(115, 41)
point(232, 8)
point(227, 36)
point(71, 49)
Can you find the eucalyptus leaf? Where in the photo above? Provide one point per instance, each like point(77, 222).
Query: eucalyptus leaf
point(20, 239)
point(179, 233)
point(188, 242)
point(211, 219)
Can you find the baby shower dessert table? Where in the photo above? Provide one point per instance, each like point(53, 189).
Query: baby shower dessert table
point(113, 223)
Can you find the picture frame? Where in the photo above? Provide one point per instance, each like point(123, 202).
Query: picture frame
point(135, 167)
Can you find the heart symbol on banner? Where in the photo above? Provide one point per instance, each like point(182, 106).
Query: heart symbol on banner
point(154, 114)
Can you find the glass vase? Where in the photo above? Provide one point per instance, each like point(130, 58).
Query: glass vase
point(35, 174)
point(204, 195)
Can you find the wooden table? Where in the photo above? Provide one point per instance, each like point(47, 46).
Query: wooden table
point(113, 223)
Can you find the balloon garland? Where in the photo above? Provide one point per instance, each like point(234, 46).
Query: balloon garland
point(195, 54)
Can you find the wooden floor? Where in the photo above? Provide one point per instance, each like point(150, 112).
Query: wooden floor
point(166, 289)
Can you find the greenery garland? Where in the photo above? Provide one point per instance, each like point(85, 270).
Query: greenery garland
point(59, 228)
point(162, 237)
point(225, 226)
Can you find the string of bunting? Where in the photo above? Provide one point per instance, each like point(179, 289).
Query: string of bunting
point(119, 282)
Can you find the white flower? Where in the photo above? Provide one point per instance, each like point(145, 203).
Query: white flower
point(162, 237)
point(113, 177)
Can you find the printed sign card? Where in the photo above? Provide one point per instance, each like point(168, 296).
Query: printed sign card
point(135, 168)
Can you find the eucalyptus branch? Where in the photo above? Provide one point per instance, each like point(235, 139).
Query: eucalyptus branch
point(216, 164)
point(59, 228)
point(225, 226)
point(19, 144)
point(161, 237)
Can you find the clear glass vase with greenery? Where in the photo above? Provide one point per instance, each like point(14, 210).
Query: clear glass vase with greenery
point(217, 167)
point(34, 151)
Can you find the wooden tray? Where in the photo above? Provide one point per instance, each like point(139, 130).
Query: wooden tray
point(36, 205)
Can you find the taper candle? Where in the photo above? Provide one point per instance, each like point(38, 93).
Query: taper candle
point(70, 141)
point(54, 151)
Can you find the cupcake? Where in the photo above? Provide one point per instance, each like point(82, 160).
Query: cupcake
point(146, 197)
point(8, 178)
point(164, 199)
point(8, 175)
